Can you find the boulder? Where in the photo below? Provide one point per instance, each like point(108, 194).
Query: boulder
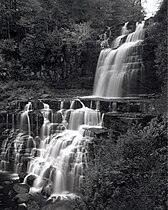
point(30, 179)
point(22, 197)
point(21, 188)
point(47, 190)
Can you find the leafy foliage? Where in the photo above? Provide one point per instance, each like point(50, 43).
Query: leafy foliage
point(157, 37)
point(129, 174)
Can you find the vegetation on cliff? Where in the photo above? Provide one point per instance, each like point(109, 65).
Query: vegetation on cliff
point(57, 40)
point(156, 44)
point(130, 172)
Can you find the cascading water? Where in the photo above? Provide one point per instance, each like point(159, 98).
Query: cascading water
point(62, 156)
point(83, 116)
point(25, 120)
point(58, 161)
point(119, 69)
point(16, 148)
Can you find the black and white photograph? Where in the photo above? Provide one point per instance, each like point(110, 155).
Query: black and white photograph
point(83, 104)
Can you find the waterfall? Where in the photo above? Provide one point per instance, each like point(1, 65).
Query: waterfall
point(25, 120)
point(63, 156)
point(61, 162)
point(16, 148)
point(119, 69)
point(58, 156)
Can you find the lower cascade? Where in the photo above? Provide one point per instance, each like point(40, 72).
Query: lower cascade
point(56, 159)
point(61, 161)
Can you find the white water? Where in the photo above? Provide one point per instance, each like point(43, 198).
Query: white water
point(14, 151)
point(63, 156)
point(119, 70)
point(25, 120)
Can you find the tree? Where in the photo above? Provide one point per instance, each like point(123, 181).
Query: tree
point(157, 37)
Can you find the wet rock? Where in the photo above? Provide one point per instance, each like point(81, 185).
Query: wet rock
point(66, 104)
point(21, 188)
point(22, 206)
point(47, 190)
point(21, 104)
point(34, 153)
point(23, 197)
point(57, 117)
point(22, 175)
point(99, 132)
point(55, 127)
point(30, 179)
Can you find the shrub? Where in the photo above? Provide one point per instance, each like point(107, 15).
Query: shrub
point(129, 174)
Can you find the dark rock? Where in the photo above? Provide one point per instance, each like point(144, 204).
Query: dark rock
point(22, 197)
point(67, 104)
point(105, 106)
point(55, 127)
point(121, 122)
point(30, 179)
point(54, 104)
point(47, 190)
point(21, 188)
point(22, 104)
point(57, 117)
point(22, 206)
point(99, 132)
